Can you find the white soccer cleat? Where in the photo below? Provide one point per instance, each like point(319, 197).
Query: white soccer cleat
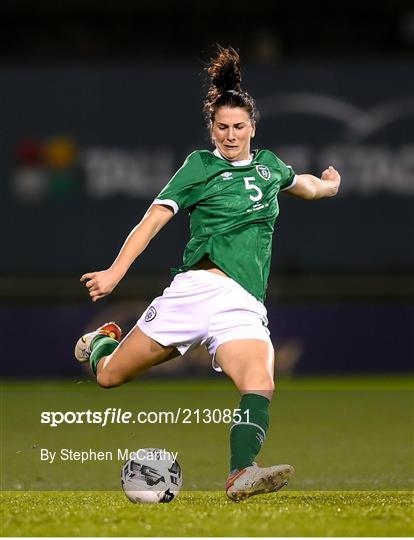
point(83, 345)
point(255, 480)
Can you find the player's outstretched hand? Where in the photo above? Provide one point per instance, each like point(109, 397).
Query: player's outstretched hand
point(100, 284)
point(331, 174)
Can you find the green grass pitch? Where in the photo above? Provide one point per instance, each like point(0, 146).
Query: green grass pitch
point(350, 440)
point(210, 514)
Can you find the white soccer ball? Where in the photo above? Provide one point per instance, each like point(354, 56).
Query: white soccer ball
point(152, 476)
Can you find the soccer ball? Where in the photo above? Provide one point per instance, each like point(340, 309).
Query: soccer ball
point(153, 475)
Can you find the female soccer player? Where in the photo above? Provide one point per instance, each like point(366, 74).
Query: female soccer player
point(216, 297)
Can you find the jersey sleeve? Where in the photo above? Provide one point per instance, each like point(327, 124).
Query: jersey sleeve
point(288, 175)
point(185, 187)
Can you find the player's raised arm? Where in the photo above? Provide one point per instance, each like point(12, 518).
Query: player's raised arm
point(102, 283)
point(311, 187)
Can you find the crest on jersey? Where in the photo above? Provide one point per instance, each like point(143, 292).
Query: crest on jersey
point(264, 172)
point(151, 314)
point(227, 175)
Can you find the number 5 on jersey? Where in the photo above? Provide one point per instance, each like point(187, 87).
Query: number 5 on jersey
point(249, 186)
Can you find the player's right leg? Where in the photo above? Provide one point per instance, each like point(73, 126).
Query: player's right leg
point(116, 363)
point(250, 364)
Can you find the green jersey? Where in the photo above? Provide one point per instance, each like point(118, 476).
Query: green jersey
point(233, 208)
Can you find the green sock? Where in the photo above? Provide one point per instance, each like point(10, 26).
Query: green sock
point(101, 346)
point(247, 437)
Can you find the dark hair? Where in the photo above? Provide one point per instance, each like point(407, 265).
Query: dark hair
point(225, 90)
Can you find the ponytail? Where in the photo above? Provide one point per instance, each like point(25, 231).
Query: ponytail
point(225, 90)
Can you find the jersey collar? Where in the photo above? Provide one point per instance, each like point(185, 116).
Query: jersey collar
point(234, 163)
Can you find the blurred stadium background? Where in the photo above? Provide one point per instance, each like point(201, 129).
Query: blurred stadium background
point(100, 104)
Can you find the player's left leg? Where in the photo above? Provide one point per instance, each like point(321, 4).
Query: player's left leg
point(134, 355)
point(250, 364)
point(116, 362)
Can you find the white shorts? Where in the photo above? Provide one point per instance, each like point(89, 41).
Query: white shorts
point(204, 308)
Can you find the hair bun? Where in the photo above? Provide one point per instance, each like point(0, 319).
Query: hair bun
point(224, 70)
point(224, 89)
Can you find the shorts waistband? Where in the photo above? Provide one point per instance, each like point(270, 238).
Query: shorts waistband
point(218, 278)
point(213, 276)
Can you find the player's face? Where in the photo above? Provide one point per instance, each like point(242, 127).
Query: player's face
point(231, 132)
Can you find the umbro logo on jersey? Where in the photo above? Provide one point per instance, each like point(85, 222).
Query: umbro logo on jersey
point(264, 172)
point(227, 175)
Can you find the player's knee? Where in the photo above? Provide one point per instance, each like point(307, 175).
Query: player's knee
point(258, 384)
point(106, 379)
point(266, 388)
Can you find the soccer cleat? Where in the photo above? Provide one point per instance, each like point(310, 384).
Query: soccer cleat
point(255, 480)
point(83, 345)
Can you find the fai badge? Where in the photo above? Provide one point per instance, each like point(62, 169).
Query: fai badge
point(264, 172)
point(151, 314)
